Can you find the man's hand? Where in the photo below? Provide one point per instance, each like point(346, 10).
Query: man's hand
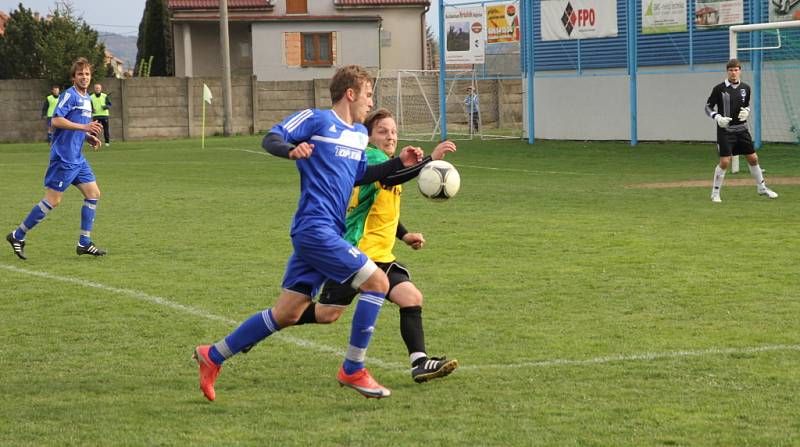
point(744, 112)
point(411, 155)
point(93, 128)
point(93, 141)
point(722, 121)
point(414, 240)
point(442, 148)
point(302, 150)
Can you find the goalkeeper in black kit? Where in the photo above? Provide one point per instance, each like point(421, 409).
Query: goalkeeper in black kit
point(729, 106)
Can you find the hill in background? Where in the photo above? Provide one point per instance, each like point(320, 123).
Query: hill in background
point(123, 47)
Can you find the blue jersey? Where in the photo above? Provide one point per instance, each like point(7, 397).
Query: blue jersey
point(328, 176)
point(67, 144)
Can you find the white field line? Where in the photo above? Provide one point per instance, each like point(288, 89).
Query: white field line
point(650, 356)
point(188, 310)
point(458, 165)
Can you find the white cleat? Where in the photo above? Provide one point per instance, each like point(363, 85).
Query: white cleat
point(768, 192)
point(715, 198)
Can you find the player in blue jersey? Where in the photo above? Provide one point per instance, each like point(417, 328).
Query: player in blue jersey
point(329, 149)
point(72, 120)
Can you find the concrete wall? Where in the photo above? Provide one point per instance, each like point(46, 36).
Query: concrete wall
point(670, 106)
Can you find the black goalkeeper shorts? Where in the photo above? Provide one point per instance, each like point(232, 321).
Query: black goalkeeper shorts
point(337, 294)
point(734, 143)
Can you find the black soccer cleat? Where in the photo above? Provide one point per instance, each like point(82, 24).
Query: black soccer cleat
point(17, 245)
point(90, 249)
point(433, 368)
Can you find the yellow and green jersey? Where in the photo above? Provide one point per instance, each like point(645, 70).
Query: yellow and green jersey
point(373, 214)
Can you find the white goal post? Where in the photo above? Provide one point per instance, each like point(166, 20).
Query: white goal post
point(735, 49)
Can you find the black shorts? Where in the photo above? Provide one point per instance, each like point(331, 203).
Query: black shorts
point(734, 143)
point(337, 294)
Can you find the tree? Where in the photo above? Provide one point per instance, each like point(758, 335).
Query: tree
point(155, 38)
point(46, 48)
point(432, 47)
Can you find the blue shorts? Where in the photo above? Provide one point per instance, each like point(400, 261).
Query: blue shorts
point(60, 175)
point(318, 256)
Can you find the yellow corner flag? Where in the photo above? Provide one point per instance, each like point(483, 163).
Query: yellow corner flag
point(206, 99)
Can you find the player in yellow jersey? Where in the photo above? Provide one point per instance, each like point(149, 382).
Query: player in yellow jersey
point(373, 223)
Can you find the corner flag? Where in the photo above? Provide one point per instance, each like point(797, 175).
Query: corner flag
point(207, 94)
point(206, 99)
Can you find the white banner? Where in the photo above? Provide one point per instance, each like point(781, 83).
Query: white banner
point(663, 16)
point(466, 35)
point(578, 19)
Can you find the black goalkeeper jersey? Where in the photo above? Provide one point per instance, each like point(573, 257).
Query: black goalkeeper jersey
point(728, 99)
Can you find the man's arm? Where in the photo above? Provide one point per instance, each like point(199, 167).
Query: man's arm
point(45, 106)
point(380, 171)
point(711, 104)
point(277, 146)
point(108, 103)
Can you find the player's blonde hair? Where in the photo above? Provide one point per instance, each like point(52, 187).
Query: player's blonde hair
point(80, 64)
point(374, 117)
point(348, 77)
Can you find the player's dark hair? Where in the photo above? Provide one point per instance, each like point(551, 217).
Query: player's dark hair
point(733, 63)
point(374, 117)
point(348, 77)
point(80, 64)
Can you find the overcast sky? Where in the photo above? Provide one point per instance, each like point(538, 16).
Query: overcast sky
point(123, 16)
point(115, 16)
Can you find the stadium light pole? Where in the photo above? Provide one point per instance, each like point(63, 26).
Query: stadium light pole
point(227, 98)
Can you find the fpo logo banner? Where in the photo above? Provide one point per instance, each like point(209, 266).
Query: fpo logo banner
point(578, 19)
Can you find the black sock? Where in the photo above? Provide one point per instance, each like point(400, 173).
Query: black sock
point(411, 328)
point(308, 316)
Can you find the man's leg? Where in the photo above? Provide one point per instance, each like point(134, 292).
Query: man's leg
point(758, 175)
point(409, 299)
point(17, 237)
point(91, 194)
point(284, 313)
point(719, 178)
point(353, 373)
point(104, 121)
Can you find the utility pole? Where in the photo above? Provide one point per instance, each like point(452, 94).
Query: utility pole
point(227, 97)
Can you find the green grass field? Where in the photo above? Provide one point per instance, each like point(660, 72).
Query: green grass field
point(583, 312)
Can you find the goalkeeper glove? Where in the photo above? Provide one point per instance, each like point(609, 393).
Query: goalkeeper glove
point(722, 121)
point(744, 112)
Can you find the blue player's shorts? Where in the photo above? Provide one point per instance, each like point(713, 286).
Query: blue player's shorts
point(321, 254)
point(60, 175)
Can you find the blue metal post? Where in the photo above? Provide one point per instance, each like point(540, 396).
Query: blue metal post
point(756, 63)
point(632, 67)
point(442, 73)
point(529, 56)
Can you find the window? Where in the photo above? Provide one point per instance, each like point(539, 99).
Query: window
point(296, 7)
point(317, 49)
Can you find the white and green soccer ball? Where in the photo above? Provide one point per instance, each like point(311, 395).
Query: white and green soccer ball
point(439, 180)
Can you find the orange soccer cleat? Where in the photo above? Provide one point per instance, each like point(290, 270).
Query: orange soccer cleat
point(208, 371)
point(363, 382)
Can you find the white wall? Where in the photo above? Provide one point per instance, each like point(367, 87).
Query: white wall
point(356, 43)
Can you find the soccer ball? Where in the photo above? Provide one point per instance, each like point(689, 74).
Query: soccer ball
point(439, 180)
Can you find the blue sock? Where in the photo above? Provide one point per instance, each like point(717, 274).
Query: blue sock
point(37, 214)
point(364, 318)
point(252, 331)
point(88, 211)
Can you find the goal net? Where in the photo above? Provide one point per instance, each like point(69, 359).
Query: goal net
point(776, 98)
point(413, 96)
point(777, 46)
